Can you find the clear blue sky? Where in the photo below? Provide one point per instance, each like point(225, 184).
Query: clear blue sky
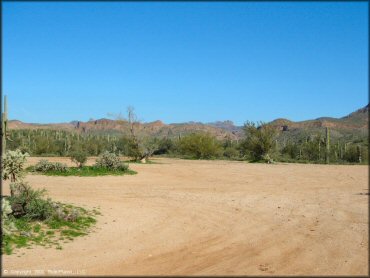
point(182, 62)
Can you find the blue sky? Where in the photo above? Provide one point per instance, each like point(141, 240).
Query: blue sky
point(183, 61)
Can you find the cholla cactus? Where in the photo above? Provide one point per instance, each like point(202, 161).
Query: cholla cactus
point(44, 166)
point(267, 158)
point(13, 165)
point(7, 226)
point(109, 160)
point(6, 209)
point(73, 216)
point(61, 167)
point(60, 214)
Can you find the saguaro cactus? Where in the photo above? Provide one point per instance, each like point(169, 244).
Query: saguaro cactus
point(327, 145)
point(4, 124)
point(359, 154)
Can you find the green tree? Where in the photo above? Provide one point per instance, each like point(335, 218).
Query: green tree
point(259, 141)
point(79, 157)
point(199, 145)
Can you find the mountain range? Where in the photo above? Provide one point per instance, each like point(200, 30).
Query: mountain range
point(354, 124)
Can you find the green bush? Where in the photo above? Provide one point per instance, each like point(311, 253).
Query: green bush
point(29, 202)
point(165, 146)
point(110, 161)
point(44, 166)
point(290, 150)
point(231, 153)
point(199, 145)
point(79, 157)
point(138, 148)
point(122, 167)
point(352, 154)
point(259, 141)
point(40, 209)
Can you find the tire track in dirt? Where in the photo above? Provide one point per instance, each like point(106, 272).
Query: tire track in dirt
point(214, 218)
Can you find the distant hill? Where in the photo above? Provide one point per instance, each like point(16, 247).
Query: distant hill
point(354, 121)
point(108, 126)
point(354, 124)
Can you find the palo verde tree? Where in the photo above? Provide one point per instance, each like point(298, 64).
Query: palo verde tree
point(199, 145)
point(259, 141)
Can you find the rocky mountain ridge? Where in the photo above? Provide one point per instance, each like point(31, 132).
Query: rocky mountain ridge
point(357, 121)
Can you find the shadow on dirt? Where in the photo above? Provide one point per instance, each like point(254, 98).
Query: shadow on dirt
point(363, 193)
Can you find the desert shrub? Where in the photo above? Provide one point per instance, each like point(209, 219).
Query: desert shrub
point(267, 158)
point(122, 167)
point(352, 154)
point(39, 209)
point(60, 167)
point(259, 141)
point(138, 148)
point(66, 213)
point(13, 165)
point(44, 166)
point(290, 150)
point(365, 154)
point(110, 161)
point(231, 153)
point(147, 147)
point(79, 157)
point(165, 146)
point(29, 202)
point(128, 147)
point(199, 145)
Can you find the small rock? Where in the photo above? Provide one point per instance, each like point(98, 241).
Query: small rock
point(263, 267)
point(26, 234)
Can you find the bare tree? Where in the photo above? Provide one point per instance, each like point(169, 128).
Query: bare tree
point(141, 148)
point(132, 121)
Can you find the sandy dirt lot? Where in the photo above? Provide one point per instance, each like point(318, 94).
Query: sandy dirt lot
point(182, 217)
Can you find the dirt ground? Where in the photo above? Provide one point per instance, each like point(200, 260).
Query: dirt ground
point(183, 217)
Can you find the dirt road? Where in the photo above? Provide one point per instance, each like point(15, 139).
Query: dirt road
point(183, 217)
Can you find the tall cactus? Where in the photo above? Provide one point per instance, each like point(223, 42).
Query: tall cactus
point(359, 154)
point(327, 154)
point(4, 124)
